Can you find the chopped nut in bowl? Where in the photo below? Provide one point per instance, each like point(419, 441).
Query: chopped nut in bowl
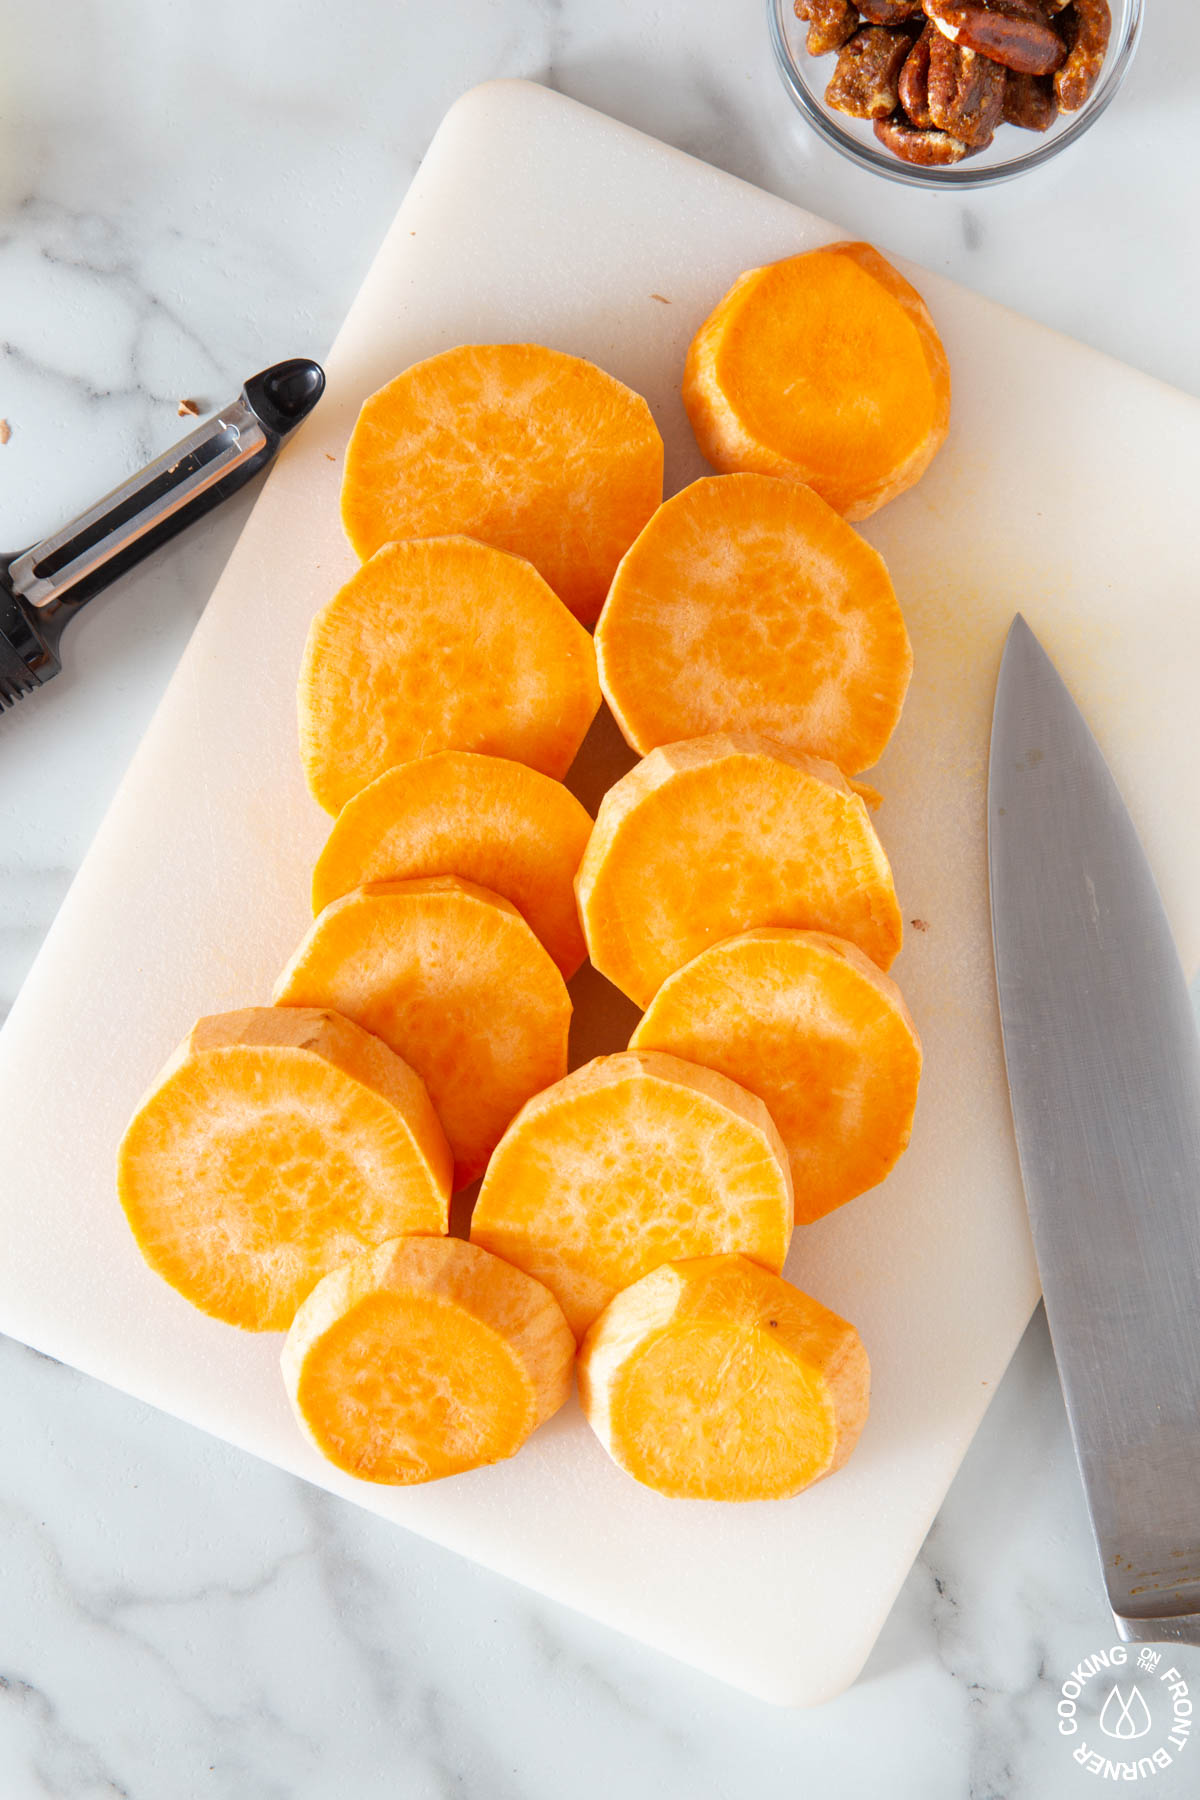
point(953, 93)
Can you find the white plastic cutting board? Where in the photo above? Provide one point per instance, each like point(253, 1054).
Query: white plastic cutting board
point(1065, 489)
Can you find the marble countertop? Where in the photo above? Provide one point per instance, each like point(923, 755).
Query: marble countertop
point(187, 193)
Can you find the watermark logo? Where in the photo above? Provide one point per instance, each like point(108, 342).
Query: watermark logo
point(1126, 1717)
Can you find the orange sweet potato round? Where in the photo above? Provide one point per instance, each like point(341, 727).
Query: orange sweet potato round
point(274, 1146)
point(716, 835)
point(455, 981)
point(811, 1026)
point(824, 368)
point(424, 1358)
point(441, 644)
point(715, 1379)
point(748, 604)
point(492, 821)
point(631, 1161)
point(519, 446)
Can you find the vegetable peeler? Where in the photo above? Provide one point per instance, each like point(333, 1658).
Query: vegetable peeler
point(43, 588)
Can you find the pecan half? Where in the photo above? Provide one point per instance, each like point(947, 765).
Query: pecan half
point(913, 85)
point(1012, 32)
point(1029, 101)
point(888, 12)
point(928, 149)
point(1086, 25)
point(865, 81)
point(830, 24)
point(966, 92)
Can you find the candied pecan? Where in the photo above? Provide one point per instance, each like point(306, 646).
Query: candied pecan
point(888, 12)
point(830, 24)
point(1012, 32)
point(864, 82)
point(1029, 101)
point(1086, 25)
point(928, 149)
point(966, 92)
point(913, 85)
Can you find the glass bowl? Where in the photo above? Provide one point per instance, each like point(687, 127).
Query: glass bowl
point(1012, 150)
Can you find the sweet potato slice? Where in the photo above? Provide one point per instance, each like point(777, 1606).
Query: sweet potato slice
point(748, 604)
point(455, 981)
point(441, 644)
point(716, 835)
point(824, 368)
point(492, 821)
point(423, 1358)
point(521, 447)
point(811, 1026)
point(632, 1160)
point(274, 1146)
point(715, 1379)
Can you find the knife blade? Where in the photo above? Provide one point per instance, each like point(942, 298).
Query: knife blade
point(1103, 1061)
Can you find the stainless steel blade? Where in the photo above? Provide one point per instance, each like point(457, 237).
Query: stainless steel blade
point(1104, 1071)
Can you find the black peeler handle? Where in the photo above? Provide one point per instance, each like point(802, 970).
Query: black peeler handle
point(42, 589)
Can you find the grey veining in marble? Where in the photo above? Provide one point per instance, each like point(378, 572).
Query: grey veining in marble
point(187, 193)
point(171, 1604)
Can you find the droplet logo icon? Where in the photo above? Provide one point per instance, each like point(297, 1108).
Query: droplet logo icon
point(1123, 1717)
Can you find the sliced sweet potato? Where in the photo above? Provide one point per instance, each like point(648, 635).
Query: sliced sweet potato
point(441, 644)
point(492, 821)
point(748, 604)
point(516, 445)
point(423, 1358)
point(455, 981)
point(632, 1160)
point(716, 835)
point(811, 1026)
point(274, 1146)
point(715, 1379)
point(824, 368)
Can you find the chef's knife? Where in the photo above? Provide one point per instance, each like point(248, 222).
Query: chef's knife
point(1104, 1071)
point(42, 589)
